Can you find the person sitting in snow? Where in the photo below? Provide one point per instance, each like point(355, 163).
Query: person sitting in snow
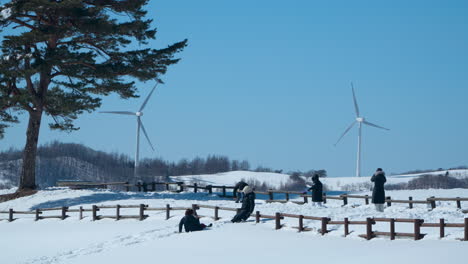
point(191, 222)
point(378, 193)
point(248, 205)
point(238, 191)
point(317, 190)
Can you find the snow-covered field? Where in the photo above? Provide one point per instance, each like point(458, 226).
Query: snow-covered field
point(156, 240)
point(275, 180)
point(231, 178)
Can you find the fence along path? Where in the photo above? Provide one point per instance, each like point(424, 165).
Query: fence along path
point(325, 221)
point(181, 186)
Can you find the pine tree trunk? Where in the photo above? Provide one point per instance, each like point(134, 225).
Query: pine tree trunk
point(28, 173)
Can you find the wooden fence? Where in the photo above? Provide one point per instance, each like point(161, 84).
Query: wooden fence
point(181, 186)
point(324, 221)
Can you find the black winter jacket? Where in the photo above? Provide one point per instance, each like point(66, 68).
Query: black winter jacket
point(378, 194)
point(317, 191)
point(191, 223)
point(248, 206)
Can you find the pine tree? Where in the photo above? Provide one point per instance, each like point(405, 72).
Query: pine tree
point(64, 55)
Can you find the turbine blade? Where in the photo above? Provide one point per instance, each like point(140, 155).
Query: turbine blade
point(144, 132)
point(147, 98)
point(118, 112)
point(374, 125)
point(346, 131)
point(356, 107)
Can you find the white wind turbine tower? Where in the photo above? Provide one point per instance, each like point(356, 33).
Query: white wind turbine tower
point(360, 120)
point(139, 126)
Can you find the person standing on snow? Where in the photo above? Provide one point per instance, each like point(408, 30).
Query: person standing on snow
point(191, 222)
point(238, 191)
point(248, 205)
point(317, 190)
point(378, 193)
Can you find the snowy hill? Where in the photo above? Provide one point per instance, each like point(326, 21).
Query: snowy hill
point(274, 180)
point(72, 240)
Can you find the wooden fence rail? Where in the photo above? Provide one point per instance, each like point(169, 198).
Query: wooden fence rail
point(325, 221)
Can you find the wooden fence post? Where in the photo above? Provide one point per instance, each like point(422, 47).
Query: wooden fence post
point(127, 187)
point(181, 187)
point(287, 196)
point(324, 198)
point(301, 223)
point(417, 228)
point(153, 186)
point(142, 212)
point(305, 199)
point(277, 221)
point(64, 213)
point(389, 202)
point(81, 212)
point(168, 211)
point(368, 228)
point(257, 217)
point(117, 212)
point(324, 225)
point(392, 228)
point(216, 212)
point(195, 187)
point(145, 187)
point(139, 186)
point(224, 192)
point(466, 229)
point(10, 215)
point(410, 203)
point(367, 199)
point(95, 213)
point(210, 189)
point(270, 195)
point(345, 199)
point(442, 227)
point(458, 203)
point(167, 186)
point(346, 226)
point(37, 215)
point(432, 202)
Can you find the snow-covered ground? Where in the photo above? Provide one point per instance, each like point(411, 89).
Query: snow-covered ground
point(274, 180)
point(359, 183)
point(156, 239)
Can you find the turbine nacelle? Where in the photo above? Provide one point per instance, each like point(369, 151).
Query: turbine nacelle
point(139, 113)
point(360, 119)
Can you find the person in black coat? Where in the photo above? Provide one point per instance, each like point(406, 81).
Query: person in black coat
point(248, 205)
point(191, 222)
point(238, 191)
point(378, 193)
point(317, 190)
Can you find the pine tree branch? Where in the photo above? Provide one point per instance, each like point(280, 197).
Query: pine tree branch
point(22, 23)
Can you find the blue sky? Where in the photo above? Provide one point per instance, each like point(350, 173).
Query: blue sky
point(269, 81)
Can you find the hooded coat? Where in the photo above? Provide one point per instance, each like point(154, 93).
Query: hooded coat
point(378, 194)
point(317, 190)
point(247, 208)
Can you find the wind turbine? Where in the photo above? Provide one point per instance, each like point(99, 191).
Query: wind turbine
point(140, 125)
point(360, 120)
